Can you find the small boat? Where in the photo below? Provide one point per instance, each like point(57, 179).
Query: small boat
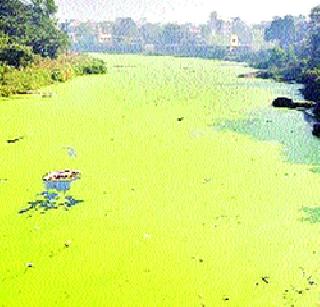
point(60, 180)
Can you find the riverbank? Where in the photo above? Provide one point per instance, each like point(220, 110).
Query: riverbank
point(44, 71)
point(174, 212)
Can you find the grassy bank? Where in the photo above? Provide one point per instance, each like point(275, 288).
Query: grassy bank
point(44, 72)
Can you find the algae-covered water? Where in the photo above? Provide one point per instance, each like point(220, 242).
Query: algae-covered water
point(219, 208)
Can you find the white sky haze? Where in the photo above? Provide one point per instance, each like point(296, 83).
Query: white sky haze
point(181, 11)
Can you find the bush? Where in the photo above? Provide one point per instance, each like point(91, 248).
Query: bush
point(5, 91)
point(20, 81)
point(62, 74)
point(89, 66)
point(16, 55)
point(45, 71)
point(311, 80)
point(95, 67)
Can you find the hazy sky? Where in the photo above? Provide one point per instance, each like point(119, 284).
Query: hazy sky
point(180, 11)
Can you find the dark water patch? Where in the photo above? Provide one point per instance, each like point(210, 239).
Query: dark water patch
point(291, 128)
point(279, 89)
point(47, 201)
point(311, 214)
point(285, 127)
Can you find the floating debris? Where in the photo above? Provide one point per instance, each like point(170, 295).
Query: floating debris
point(206, 180)
point(180, 119)
point(15, 140)
point(67, 243)
point(71, 151)
point(55, 182)
point(47, 95)
point(60, 180)
point(311, 282)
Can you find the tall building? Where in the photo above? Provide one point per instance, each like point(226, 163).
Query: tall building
point(234, 42)
point(213, 22)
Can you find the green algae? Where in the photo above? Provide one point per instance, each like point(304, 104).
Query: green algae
point(175, 213)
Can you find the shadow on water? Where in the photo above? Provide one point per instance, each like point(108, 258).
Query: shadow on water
point(291, 128)
point(312, 214)
point(280, 89)
point(50, 200)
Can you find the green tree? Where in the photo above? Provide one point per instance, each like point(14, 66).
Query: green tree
point(171, 34)
point(315, 37)
point(282, 29)
point(125, 27)
point(14, 54)
point(32, 23)
point(86, 37)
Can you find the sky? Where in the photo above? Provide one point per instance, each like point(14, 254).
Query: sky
point(181, 11)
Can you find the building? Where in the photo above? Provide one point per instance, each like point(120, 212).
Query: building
point(104, 32)
point(149, 48)
point(213, 22)
point(105, 38)
point(234, 42)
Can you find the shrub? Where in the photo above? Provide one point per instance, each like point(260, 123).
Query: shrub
point(5, 91)
point(95, 67)
point(45, 71)
point(16, 55)
point(62, 74)
point(20, 81)
point(311, 80)
point(89, 66)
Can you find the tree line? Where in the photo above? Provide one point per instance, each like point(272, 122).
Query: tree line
point(29, 28)
point(32, 48)
point(297, 58)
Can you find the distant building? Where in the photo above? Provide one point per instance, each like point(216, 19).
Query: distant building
point(213, 22)
point(70, 27)
point(149, 48)
point(105, 33)
point(234, 42)
point(105, 38)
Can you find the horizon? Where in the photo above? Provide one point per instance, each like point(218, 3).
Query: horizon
point(180, 12)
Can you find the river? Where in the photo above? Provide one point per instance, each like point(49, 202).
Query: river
point(194, 191)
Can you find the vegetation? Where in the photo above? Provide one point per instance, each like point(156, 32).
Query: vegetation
point(31, 48)
point(163, 202)
point(46, 71)
point(32, 24)
point(297, 58)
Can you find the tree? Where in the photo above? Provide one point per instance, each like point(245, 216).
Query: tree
point(13, 54)
point(13, 18)
point(32, 23)
point(125, 27)
point(282, 29)
point(150, 33)
point(86, 37)
point(315, 36)
point(242, 30)
point(171, 34)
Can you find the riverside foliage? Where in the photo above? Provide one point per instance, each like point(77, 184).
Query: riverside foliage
point(33, 49)
point(298, 56)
